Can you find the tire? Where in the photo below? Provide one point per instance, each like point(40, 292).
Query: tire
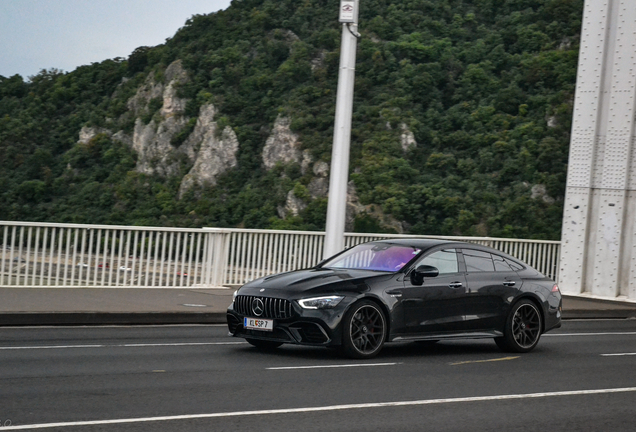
point(263, 345)
point(523, 328)
point(364, 330)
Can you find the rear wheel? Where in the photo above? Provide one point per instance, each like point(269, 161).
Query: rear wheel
point(364, 330)
point(523, 328)
point(264, 345)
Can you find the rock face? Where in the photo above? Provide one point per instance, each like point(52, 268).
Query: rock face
point(282, 146)
point(88, 133)
point(355, 208)
point(152, 141)
point(319, 185)
point(318, 61)
point(152, 144)
point(149, 91)
point(172, 105)
point(209, 150)
point(539, 191)
point(212, 154)
point(318, 188)
point(293, 205)
point(407, 138)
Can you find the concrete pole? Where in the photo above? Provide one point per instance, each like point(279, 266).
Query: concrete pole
point(339, 176)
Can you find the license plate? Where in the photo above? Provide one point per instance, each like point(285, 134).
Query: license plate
point(258, 324)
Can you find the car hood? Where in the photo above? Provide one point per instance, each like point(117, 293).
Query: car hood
point(317, 280)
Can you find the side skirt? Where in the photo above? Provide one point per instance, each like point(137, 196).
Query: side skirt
point(464, 335)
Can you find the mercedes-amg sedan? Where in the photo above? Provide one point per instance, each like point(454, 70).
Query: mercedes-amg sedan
point(399, 290)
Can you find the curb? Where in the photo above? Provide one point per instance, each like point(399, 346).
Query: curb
point(598, 314)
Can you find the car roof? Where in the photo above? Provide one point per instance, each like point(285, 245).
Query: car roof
point(426, 244)
point(419, 243)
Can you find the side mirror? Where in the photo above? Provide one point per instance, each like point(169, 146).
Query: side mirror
point(421, 272)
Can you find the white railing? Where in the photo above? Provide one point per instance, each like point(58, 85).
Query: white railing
point(257, 253)
point(73, 255)
point(69, 255)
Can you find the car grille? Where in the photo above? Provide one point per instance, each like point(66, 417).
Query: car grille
point(273, 308)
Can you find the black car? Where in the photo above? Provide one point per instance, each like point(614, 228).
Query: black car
point(399, 290)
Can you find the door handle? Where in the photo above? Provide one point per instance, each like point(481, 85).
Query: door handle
point(509, 283)
point(455, 285)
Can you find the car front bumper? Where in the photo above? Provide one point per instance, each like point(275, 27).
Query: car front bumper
point(303, 327)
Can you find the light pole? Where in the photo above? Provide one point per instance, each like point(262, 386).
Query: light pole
point(339, 176)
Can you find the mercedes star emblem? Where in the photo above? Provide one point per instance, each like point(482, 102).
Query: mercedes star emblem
point(258, 307)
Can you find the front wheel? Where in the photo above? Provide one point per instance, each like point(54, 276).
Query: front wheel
point(264, 345)
point(523, 328)
point(364, 330)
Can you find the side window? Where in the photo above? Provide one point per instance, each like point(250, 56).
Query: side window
point(514, 265)
point(501, 265)
point(478, 261)
point(445, 261)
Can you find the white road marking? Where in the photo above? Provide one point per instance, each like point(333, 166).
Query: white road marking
point(237, 343)
point(618, 354)
point(121, 345)
point(484, 361)
point(324, 408)
point(589, 334)
point(332, 366)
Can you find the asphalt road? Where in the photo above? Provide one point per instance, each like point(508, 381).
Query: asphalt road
point(581, 377)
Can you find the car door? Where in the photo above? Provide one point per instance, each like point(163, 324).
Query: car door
point(435, 306)
point(491, 282)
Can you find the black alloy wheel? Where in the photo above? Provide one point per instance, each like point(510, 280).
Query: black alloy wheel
point(364, 330)
point(523, 328)
point(263, 345)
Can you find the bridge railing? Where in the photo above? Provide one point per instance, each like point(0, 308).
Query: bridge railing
point(70, 255)
point(75, 255)
point(257, 253)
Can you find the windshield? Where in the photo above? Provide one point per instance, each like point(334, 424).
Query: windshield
point(374, 256)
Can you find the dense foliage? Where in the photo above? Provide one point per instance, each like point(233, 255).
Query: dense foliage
point(485, 86)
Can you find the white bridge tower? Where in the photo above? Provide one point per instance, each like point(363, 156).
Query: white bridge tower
point(598, 253)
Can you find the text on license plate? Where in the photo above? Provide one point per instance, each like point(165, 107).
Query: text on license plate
point(258, 324)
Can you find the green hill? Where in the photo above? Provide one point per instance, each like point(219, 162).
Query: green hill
point(461, 122)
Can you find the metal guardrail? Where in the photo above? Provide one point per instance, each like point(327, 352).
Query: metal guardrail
point(72, 255)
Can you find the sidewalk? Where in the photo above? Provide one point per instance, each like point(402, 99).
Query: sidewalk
point(119, 306)
point(115, 306)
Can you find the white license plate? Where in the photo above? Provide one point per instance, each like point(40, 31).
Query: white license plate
point(258, 324)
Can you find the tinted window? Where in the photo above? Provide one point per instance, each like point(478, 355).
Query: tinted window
point(478, 261)
point(501, 264)
point(445, 261)
point(515, 266)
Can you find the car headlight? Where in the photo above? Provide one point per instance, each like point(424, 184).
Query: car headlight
point(328, 302)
